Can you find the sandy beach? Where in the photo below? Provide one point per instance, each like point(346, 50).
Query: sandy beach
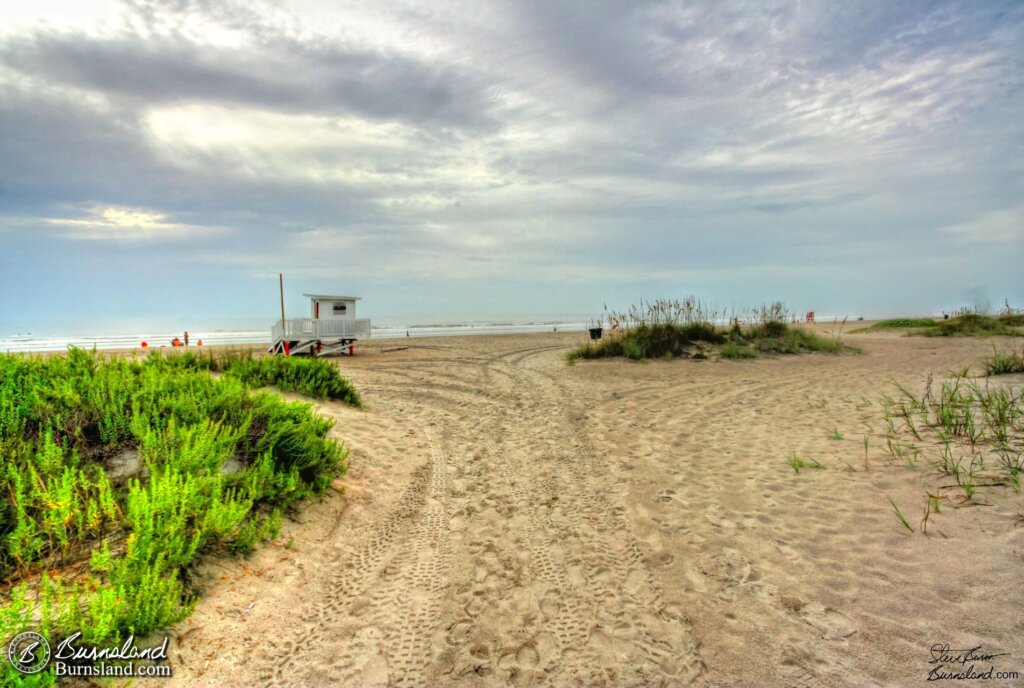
point(509, 519)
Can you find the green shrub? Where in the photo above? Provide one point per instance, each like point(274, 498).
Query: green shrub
point(902, 323)
point(973, 324)
point(735, 350)
point(61, 421)
point(313, 377)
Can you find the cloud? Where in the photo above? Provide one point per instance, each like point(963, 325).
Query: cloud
point(113, 223)
point(277, 73)
point(655, 144)
point(1001, 226)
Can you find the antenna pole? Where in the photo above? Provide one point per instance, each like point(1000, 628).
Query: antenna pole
point(284, 325)
point(280, 282)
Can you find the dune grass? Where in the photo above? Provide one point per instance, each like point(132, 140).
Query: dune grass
point(735, 350)
point(966, 322)
point(1004, 362)
point(974, 325)
point(962, 430)
point(796, 463)
point(84, 547)
point(900, 323)
point(667, 329)
point(650, 341)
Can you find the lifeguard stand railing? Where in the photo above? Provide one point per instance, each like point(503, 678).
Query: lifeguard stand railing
point(319, 337)
point(308, 328)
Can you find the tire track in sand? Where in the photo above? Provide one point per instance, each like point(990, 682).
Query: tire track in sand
point(505, 562)
point(552, 588)
point(370, 627)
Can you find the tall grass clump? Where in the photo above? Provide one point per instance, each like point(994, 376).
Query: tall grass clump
point(664, 328)
point(88, 546)
point(1004, 362)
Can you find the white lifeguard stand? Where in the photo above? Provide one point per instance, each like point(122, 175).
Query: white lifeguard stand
point(332, 329)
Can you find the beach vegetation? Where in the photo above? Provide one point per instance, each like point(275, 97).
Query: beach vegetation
point(690, 328)
point(963, 322)
point(901, 323)
point(1004, 362)
point(312, 377)
point(974, 325)
point(900, 516)
point(796, 463)
point(119, 474)
point(965, 431)
point(734, 350)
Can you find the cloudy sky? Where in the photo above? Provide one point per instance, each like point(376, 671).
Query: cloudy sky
point(168, 158)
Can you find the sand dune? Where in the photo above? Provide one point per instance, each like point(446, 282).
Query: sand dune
point(510, 520)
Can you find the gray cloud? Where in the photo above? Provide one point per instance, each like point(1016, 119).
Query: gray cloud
point(285, 76)
point(628, 147)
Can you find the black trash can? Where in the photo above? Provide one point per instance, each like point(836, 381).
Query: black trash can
point(595, 333)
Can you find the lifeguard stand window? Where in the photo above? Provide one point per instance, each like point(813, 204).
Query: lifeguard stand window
point(340, 307)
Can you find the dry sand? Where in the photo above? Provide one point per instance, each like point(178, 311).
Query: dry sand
point(511, 520)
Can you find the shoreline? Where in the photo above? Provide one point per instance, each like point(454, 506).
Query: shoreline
point(820, 327)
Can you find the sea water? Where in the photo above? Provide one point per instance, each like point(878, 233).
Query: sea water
point(21, 337)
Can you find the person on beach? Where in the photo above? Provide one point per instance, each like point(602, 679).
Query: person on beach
point(199, 343)
point(186, 337)
point(176, 342)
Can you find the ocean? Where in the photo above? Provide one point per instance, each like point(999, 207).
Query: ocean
point(122, 337)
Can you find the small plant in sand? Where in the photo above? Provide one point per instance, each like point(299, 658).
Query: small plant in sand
point(835, 434)
point(900, 516)
point(1004, 362)
point(961, 429)
point(796, 463)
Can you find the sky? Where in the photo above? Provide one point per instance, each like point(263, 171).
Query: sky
point(167, 159)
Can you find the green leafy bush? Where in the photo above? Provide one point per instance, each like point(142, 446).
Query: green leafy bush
point(215, 464)
point(313, 377)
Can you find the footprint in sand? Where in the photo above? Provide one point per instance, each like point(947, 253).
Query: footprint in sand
point(786, 550)
point(831, 623)
point(669, 496)
point(731, 570)
point(610, 650)
point(521, 665)
point(713, 515)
